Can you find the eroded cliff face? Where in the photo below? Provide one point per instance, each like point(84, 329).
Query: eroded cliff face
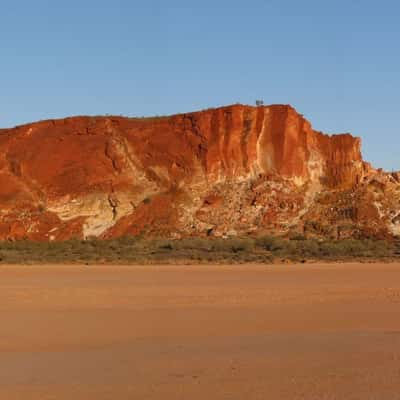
point(225, 171)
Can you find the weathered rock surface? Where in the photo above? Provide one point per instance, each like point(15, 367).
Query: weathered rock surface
point(225, 171)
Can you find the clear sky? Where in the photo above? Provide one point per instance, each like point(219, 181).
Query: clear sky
point(337, 62)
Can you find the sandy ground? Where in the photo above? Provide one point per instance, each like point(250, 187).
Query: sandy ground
point(200, 332)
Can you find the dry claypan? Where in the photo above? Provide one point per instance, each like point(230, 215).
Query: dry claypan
point(321, 331)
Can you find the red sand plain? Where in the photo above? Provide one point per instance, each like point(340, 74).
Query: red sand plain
point(200, 332)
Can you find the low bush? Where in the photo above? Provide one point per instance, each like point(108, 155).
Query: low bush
point(235, 249)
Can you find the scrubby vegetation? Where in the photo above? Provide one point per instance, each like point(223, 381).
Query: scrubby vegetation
point(137, 250)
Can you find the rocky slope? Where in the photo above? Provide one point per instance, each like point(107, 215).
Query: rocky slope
point(227, 171)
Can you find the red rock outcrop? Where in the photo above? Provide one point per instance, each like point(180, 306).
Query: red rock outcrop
point(221, 171)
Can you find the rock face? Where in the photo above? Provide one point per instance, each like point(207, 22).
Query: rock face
point(226, 171)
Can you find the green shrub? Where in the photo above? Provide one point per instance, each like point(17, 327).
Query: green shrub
point(307, 248)
point(271, 243)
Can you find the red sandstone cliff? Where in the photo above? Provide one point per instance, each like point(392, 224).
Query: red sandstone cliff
point(221, 171)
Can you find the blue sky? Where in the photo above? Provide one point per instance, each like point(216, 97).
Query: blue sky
point(337, 62)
